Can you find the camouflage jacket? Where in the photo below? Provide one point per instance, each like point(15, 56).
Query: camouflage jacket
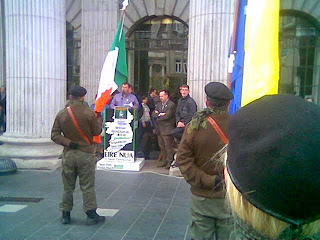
point(243, 231)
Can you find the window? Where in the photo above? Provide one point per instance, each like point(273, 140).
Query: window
point(299, 57)
point(181, 67)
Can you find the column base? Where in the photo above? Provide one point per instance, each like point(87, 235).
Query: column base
point(31, 153)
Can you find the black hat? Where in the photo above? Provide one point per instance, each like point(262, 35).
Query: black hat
point(217, 90)
point(274, 159)
point(78, 91)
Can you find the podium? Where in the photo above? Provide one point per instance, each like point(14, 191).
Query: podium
point(120, 141)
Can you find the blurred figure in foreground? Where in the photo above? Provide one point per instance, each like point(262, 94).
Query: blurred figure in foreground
point(272, 173)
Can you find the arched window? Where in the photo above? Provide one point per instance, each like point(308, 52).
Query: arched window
point(299, 56)
point(157, 54)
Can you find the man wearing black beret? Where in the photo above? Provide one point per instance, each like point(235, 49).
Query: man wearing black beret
point(203, 137)
point(74, 128)
point(273, 166)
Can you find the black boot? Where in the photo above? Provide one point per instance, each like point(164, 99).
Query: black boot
point(66, 219)
point(94, 218)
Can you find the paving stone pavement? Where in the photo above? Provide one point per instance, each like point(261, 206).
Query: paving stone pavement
point(138, 205)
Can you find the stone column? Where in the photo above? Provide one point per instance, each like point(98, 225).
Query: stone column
point(99, 23)
point(163, 71)
point(210, 29)
point(36, 80)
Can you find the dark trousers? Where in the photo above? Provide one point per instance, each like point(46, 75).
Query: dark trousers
point(166, 146)
point(146, 141)
point(177, 133)
point(2, 121)
point(139, 136)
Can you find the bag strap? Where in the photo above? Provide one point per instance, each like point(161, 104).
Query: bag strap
point(75, 122)
point(218, 130)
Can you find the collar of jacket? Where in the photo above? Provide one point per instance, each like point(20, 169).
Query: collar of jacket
point(185, 98)
point(74, 102)
point(200, 117)
point(165, 103)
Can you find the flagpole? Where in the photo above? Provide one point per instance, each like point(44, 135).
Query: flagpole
point(234, 36)
point(123, 17)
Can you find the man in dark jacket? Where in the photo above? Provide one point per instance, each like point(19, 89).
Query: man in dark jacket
point(153, 99)
point(199, 143)
point(186, 109)
point(165, 117)
point(78, 157)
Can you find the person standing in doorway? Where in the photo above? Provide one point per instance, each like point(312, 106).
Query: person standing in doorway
point(153, 99)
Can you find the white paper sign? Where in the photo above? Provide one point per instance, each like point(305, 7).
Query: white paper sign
point(120, 130)
point(122, 156)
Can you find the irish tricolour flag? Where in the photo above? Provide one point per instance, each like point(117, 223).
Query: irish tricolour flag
point(114, 71)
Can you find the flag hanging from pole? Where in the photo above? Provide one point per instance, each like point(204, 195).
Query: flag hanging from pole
point(261, 62)
point(256, 66)
point(237, 72)
point(114, 71)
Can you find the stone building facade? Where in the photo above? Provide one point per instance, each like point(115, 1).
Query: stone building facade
point(48, 46)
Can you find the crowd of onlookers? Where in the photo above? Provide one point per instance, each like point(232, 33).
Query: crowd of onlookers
point(161, 119)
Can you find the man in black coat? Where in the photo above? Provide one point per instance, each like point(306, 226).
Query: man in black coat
point(186, 109)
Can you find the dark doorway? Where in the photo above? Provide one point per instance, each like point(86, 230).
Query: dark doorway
point(73, 55)
point(157, 55)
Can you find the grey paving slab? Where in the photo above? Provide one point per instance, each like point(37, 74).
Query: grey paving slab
point(150, 206)
point(146, 225)
point(41, 237)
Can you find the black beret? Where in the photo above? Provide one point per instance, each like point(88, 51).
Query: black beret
point(273, 156)
point(217, 90)
point(78, 91)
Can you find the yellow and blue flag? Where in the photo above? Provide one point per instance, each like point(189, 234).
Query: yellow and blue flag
point(256, 69)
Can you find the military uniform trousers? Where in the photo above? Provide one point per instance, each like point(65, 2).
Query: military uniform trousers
point(166, 146)
point(209, 219)
point(77, 163)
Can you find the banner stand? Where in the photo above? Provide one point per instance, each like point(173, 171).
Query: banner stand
point(119, 141)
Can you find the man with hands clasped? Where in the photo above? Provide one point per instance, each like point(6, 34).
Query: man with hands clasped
point(164, 114)
point(74, 128)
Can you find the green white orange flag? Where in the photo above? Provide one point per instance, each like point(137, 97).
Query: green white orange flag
point(114, 71)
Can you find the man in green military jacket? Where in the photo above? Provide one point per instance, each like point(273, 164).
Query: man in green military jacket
point(200, 142)
point(78, 158)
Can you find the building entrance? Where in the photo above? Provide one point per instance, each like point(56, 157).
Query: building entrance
point(299, 56)
point(157, 55)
